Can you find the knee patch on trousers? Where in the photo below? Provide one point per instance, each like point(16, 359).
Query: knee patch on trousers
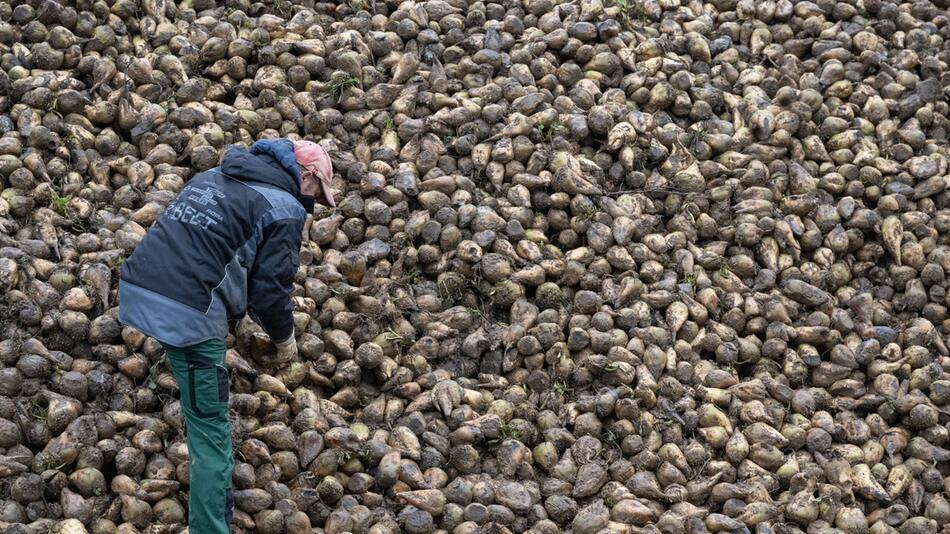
point(207, 386)
point(229, 506)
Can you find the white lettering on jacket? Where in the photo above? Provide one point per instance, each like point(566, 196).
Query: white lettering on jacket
point(193, 207)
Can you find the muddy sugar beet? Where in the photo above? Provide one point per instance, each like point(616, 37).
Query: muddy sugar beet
point(595, 267)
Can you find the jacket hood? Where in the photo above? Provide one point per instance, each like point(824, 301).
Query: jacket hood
point(265, 163)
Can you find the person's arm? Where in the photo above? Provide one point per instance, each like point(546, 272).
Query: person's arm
point(271, 279)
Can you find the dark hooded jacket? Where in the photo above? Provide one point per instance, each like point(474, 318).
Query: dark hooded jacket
point(227, 245)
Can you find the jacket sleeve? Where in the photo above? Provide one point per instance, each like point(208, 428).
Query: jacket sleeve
point(271, 279)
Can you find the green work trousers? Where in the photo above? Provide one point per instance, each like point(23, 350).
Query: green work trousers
point(203, 381)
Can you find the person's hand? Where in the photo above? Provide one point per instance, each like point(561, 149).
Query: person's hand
point(287, 349)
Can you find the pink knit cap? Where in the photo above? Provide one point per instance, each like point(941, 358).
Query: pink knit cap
point(315, 160)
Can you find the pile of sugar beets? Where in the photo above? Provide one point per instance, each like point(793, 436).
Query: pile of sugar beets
point(597, 266)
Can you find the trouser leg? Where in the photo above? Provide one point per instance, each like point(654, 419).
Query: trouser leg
point(203, 381)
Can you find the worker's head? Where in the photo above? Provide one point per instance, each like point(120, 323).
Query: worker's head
point(316, 171)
